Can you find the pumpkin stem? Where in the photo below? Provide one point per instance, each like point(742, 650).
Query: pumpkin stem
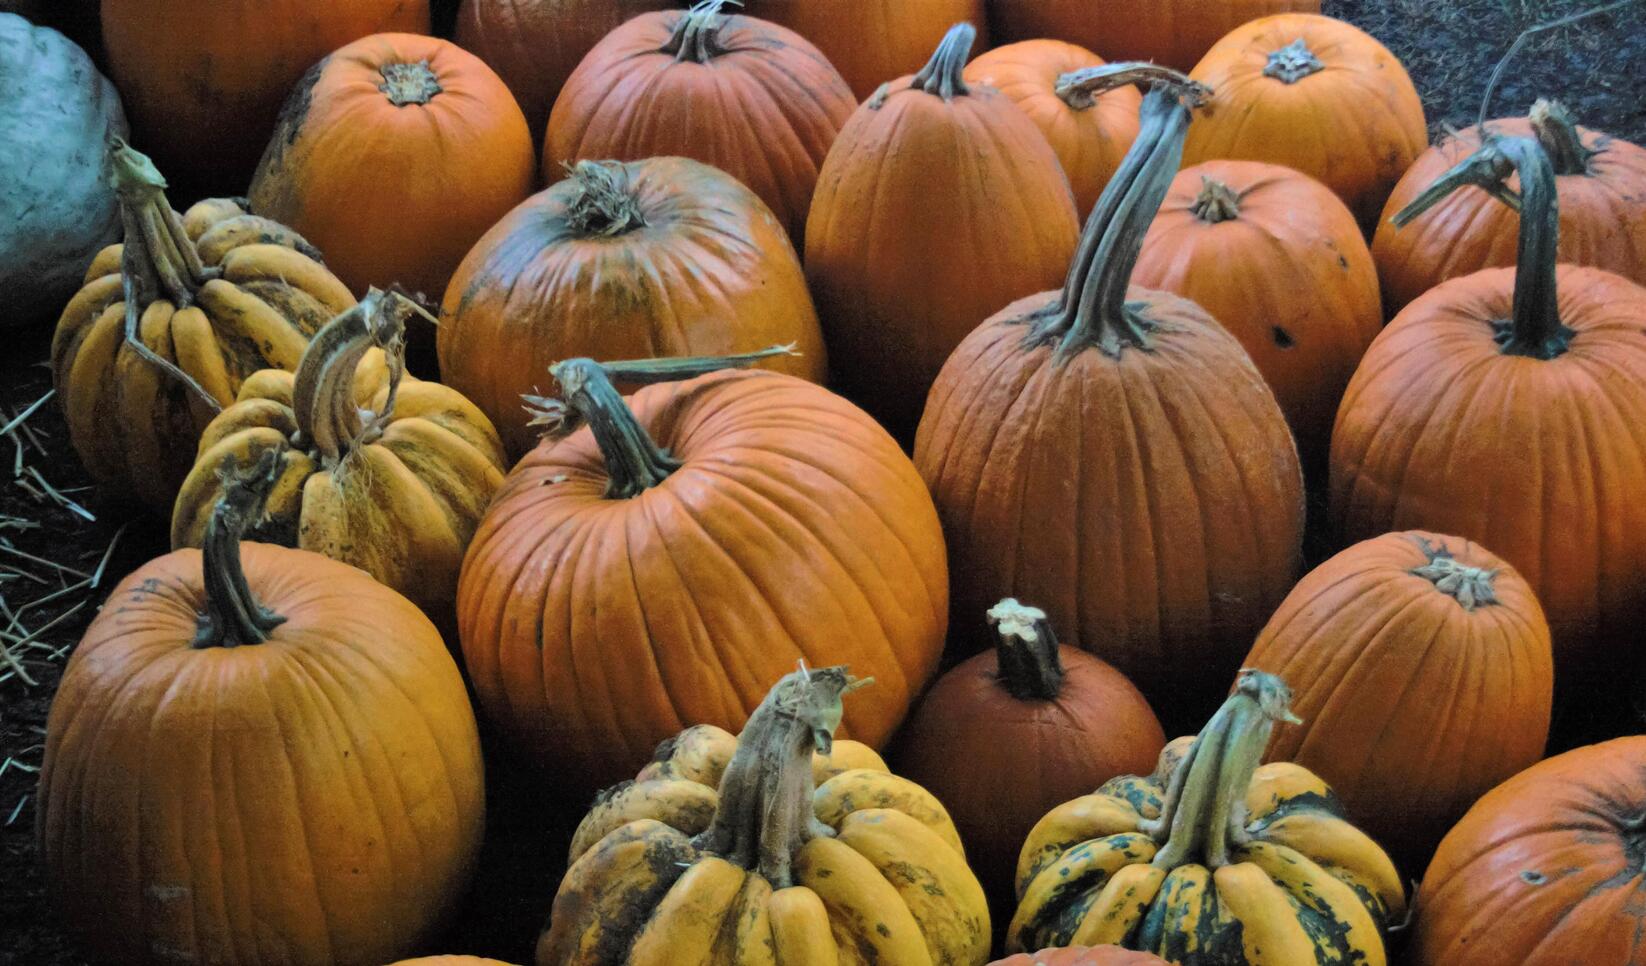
point(942, 74)
point(602, 205)
point(765, 813)
point(1205, 808)
point(323, 399)
point(1535, 329)
point(1555, 130)
point(1292, 63)
point(405, 83)
point(1216, 203)
point(1026, 652)
point(233, 616)
point(1081, 88)
point(1471, 587)
point(696, 36)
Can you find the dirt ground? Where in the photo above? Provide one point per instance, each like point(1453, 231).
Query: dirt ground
point(1598, 69)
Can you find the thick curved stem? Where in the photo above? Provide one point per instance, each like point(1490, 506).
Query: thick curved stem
point(1471, 587)
point(1081, 88)
point(1026, 652)
point(233, 617)
point(943, 74)
point(602, 204)
point(1557, 132)
point(1216, 203)
point(696, 36)
point(328, 418)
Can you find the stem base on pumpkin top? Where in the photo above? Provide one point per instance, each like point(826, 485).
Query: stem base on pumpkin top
point(323, 402)
point(233, 617)
point(1554, 129)
point(1026, 652)
point(1471, 587)
point(602, 205)
point(943, 74)
point(696, 37)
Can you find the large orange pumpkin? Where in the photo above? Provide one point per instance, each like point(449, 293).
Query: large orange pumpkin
point(1424, 678)
point(1277, 259)
point(1601, 181)
point(1089, 132)
point(1113, 455)
point(753, 99)
point(1315, 94)
point(203, 80)
point(258, 754)
point(655, 258)
point(911, 243)
point(870, 42)
point(1175, 33)
point(1545, 870)
point(664, 564)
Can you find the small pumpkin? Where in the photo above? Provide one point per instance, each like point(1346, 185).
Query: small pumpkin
point(170, 323)
point(1427, 678)
point(694, 542)
point(749, 97)
point(1212, 859)
point(1088, 131)
point(870, 41)
point(56, 207)
point(1174, 33)
point(378, 469)
point(258, 754)
point(758, 847)
point(1601, 181)
point(911, 243)
point(1544, 868)
point(1081, 956)
point(660, 257)
point(1315, 94)
point(1010, 733)
point(1276, 258)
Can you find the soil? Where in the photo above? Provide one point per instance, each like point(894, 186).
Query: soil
point(1449, 46)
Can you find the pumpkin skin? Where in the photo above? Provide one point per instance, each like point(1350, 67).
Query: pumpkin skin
point(892, 242)
point(1089, 135)
point(645, 90)
point(450, 961)
point(56, 207)
point(1410, 736)
point(778, 845)
point(1353, 88)
point(794, 529)
point(1176, 33)
point(1600, 181)
point(1276, 258)
point(871, 42)
point(1082, 956)
point(1543, 868)
point(203, 80)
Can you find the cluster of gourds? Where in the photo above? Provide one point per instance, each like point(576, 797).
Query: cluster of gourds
point(263, 751)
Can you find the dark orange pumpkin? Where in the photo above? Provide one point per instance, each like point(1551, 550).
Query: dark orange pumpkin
point(655, 258)
point(1088, 132)
point(1082, 956)
point(1175, 33)
point(1545, 870)
point(1315, 94)
point(753, 99)
point(1424, 678)
point(912, 242)
point(1601, 181)
point(1277, 259)
point(1112, 454)
point(870, 41)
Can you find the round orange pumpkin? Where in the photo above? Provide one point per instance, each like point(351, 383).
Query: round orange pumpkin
point(1315, 94)
point(1175, 33)
point(1089, 132)
point(1082, 956)
point(1601, 181)
point(749, 97)
point(1424, 675)
point(655, 258)
point(1277, 259)
point(870, 42)
point(911, 243)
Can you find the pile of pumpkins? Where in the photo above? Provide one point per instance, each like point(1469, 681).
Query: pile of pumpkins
point(421, 432)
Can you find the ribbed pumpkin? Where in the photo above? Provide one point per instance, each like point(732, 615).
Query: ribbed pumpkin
point(170, 323)
point(1009, 734)
point(1601, 181)
point(1175, 33)
point(753, 99)
point(1089, 132)
point(258, 754)
point(1211, 860)
point(203, 80)
point(1112, 454)
point(655, 258)
point(380, 470)
point(870, 42)
point(1425, 678)
point(1082, 956)
point(694, 547)
point(780, 845)
point(1506, 407)
point(1276, 258)
point(1545, 870)
point(1315, 94)
point(911, 243)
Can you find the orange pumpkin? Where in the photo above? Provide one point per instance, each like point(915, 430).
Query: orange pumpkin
point(751, 98)
point(1089, 132)
point(1315, 94)
point(1425, 678)
point(203, 80)
point(1175, 33)
point(1601, 181)
point(1082, 956)
point(655, 258)
point(1277, 259)
point(870, 41)
point(664, 564)
point(911, 243)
